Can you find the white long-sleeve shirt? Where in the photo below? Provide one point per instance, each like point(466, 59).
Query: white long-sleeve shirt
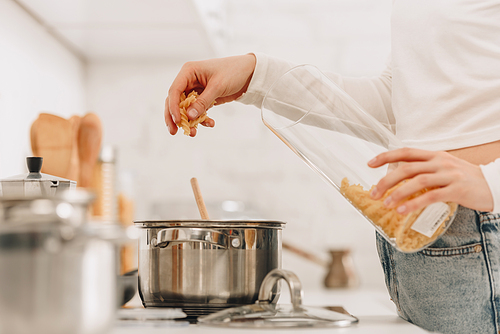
point(441, 87)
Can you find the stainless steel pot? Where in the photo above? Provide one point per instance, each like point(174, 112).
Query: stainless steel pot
point(203, 266)
point(57, 271)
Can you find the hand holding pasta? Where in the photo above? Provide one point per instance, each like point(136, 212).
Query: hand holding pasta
point(185, 123)
point(394, 224)
point(221, 80)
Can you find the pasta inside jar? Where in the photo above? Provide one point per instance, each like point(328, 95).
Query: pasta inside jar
point(395, 225)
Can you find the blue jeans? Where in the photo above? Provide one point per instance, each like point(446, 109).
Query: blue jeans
point(453, 286)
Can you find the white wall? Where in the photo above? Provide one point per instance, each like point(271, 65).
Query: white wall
point(347, 36)
point(238, 160)
point(37, 74)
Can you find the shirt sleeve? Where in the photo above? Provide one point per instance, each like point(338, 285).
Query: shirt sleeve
point(372, 93)
point(491, 173)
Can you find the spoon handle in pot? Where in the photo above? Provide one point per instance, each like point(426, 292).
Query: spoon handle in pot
point(199, 199)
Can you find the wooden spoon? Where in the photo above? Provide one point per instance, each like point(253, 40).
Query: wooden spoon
point(199, 199)
point(89, 146)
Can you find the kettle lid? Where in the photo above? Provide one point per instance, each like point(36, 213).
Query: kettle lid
point(35, 166)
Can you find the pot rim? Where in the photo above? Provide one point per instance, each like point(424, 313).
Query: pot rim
point(200, 223)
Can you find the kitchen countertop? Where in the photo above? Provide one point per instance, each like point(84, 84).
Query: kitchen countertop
point(373, 308)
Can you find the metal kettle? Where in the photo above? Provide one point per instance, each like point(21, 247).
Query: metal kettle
point(34, 183)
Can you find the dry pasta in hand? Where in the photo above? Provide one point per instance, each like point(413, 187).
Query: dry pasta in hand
point(395, 225)
point(185, 123)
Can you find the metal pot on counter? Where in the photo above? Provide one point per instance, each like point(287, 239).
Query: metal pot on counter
point(58, 273)
point(203, 266)
point(58, 270)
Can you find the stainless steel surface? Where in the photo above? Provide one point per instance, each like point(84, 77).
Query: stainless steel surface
point(265, 313)
point(58, 274)
point(34, 183)
point(204, 266)
point(265, 292)
point(172, 236)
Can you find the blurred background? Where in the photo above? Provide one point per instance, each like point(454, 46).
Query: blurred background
point(117, 59)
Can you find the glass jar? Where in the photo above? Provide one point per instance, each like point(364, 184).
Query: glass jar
point(334, 136)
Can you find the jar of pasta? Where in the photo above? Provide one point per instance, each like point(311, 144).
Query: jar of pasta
point(334, 136)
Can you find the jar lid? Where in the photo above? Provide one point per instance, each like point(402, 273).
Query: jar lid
point(267, 314)
point(211, 223)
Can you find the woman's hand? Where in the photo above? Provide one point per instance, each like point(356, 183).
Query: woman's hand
point(218, 80)
point(456, 180)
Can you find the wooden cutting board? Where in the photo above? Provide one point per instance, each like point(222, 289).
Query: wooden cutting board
point(69, 147)
point(74, 170)
point(52, 137)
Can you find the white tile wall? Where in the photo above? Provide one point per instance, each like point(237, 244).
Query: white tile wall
point(36, 74)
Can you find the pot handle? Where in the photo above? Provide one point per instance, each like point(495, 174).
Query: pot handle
point(178, 235)
point(266, 288)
